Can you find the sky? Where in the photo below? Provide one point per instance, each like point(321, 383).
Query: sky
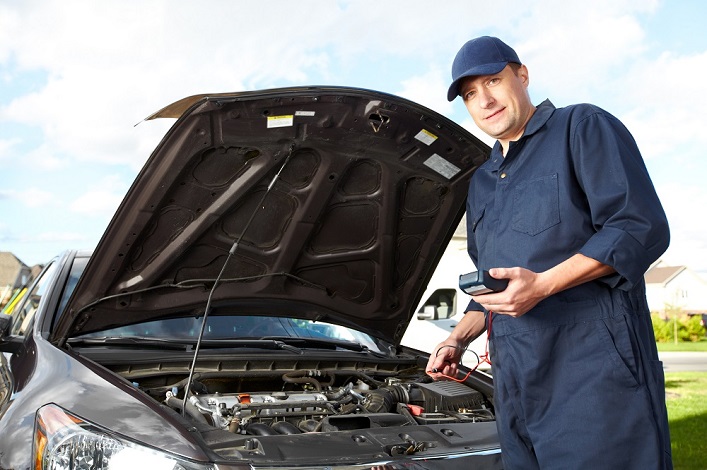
point(77, 78)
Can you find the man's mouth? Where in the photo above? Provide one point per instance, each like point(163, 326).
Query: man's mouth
point(491, 116)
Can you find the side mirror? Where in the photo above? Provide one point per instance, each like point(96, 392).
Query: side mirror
point(427, 313)
point(8, 343)
point(439, 306)
point(5, 321)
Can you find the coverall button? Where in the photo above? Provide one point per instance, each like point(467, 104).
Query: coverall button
point(503, 175)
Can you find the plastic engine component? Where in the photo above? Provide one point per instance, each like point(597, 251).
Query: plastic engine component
point(450, 396)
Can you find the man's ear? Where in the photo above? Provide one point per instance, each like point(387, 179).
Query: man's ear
point(524, 75)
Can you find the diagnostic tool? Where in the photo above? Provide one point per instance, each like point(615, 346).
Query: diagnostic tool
point(481, 282)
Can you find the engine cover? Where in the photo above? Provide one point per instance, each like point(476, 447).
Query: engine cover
point(449, 396)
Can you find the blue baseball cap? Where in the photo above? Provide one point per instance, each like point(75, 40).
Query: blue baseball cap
point(484, 55)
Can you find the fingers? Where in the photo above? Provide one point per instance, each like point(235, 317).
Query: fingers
point(497, 272)
point(437, 363)
point(443, 361)
point(447, 370)
point(503, 273)
point(519, 297)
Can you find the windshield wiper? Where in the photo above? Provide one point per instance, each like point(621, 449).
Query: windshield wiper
point(130, 341)
point(325, 343)
point(185, 344)
point(264, 343)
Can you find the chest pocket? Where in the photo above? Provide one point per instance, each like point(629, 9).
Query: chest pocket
point(536, 205)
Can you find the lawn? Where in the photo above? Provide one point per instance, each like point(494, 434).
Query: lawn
point(700, 346)
point(687, 412)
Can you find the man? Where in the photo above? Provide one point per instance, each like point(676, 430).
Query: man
point(566, 211)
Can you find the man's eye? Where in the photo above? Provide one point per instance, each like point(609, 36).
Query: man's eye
point(469, 95)
point(494, 81)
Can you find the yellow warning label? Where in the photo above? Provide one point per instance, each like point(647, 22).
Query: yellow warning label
point(426, 136)
point(281, 121)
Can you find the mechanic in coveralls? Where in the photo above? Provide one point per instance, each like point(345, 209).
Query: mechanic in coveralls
point(566, 211)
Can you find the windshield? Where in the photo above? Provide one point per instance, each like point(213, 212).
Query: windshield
point(239, 327)
point(225, 327)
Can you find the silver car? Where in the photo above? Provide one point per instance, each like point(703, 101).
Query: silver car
point(245, 306)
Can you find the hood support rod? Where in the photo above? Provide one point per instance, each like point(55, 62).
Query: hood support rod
point(231, 252)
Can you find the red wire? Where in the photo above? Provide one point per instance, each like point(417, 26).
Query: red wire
point(483, 358)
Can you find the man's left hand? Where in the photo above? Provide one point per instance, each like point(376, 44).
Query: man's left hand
point(523, 292)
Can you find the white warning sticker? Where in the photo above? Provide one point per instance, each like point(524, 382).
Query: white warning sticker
point(442, 166)
point(426, 137)
point(304, 113)
point(281, 121)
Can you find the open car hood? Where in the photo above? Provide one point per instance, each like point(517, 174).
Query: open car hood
point(325, 203)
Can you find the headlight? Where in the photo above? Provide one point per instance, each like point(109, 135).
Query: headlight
point(65, 442)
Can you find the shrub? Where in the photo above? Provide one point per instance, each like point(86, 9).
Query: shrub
point(663, 329)
point(694, 330)
point(689, 328)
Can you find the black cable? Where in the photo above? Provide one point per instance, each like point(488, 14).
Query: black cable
point(464, 350)
point(231, 252)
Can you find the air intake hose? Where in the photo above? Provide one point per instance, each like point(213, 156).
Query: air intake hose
point(384, 399)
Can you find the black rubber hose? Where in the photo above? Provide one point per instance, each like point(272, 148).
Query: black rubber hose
point(384, 399)
point(260, 429)
point(191, 410)
point(284, 427)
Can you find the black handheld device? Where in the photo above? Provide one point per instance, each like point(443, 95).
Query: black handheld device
point(481, 282)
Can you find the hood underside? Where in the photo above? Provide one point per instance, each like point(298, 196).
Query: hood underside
point(324, 203)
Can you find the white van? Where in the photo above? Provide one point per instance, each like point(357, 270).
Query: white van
point(443, 305)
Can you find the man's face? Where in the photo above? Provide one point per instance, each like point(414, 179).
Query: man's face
point(499, 104)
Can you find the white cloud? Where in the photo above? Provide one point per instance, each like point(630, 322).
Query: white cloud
point(96, 91)
point(10, 24)
point(110, 64)
point(42, 158)
point(573, 49)
point(62, 237)
point(29, 197)
point(35, 197)
point(688, 244)
point(429, 90)
point(668, 100)
point(7, 146)
point(101, 199)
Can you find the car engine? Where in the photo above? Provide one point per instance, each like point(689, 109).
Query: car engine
point(311, 401)
point(261, 406)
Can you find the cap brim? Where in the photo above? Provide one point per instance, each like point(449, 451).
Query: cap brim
point(485, 69)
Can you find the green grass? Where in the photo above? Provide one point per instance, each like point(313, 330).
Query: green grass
point(687, 413)
point(700, 346)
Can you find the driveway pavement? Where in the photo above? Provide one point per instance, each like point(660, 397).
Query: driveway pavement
point(684, 361)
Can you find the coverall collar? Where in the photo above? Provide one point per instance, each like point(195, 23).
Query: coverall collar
point(542, 113)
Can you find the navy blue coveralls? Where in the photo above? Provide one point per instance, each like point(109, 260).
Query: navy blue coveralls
point(578, 383)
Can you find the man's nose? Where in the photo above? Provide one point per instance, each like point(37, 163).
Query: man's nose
point(486, 99)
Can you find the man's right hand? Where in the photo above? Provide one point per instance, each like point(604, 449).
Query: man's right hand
point(446, 356)
point(444, 360)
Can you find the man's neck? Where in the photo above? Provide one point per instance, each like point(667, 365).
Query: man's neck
point(506, 143)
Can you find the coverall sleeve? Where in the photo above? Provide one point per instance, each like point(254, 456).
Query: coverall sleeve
point(629, 220)
point(471, 248)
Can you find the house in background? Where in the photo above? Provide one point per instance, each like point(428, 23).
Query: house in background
point(14, 274)
point(677, 287)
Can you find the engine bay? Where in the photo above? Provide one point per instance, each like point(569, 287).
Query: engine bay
point(242, 408)
point(355, 405)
